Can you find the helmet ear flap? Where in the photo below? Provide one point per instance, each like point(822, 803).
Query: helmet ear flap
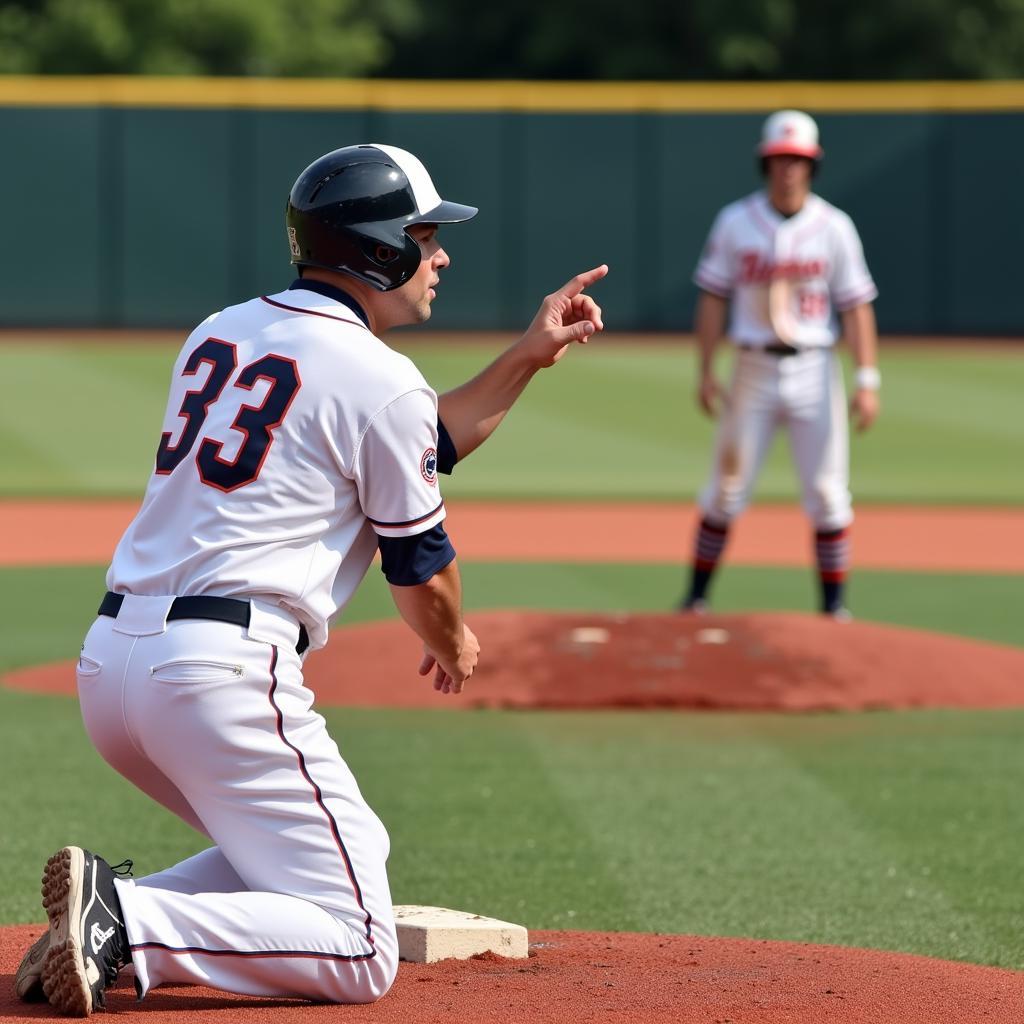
point(396, 262)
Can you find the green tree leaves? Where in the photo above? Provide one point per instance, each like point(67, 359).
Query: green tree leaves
point(570, 39)
point(329, 38)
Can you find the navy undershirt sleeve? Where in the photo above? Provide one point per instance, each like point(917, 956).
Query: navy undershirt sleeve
point(447, 456)
point(409, 561)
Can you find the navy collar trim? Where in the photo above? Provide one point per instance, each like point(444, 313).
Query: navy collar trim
point(331, 291)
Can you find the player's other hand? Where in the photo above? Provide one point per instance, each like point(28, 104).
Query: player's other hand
point(564, 317)
point(864, 408)
point(710, 395)
point(451, 676)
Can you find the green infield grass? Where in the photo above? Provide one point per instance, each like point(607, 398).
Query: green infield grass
point(614, 420)
point(897, 831)
point(893, 830)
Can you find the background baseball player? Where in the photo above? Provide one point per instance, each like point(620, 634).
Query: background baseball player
point(789, 270)
point(295, 445)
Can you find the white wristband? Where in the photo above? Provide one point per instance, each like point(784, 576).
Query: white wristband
point(868, 378)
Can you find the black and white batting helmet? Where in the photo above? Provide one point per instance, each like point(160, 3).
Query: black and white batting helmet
point(348, 211)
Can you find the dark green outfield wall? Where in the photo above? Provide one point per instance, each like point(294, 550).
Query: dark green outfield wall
point(154, 216)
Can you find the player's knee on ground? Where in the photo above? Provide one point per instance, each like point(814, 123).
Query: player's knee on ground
point(378, 975)
point(375, 975)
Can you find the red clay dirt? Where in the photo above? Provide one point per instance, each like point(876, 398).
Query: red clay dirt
point(766, 662)
point(608, 978)
point(933, 539)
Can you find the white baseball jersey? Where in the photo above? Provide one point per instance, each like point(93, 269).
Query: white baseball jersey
point(787, 278)
point(292, 437)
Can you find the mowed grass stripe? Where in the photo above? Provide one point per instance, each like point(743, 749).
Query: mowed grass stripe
point(874, 829)
point(504, 839)
point(753, 832)
point(935, 401)
point(616, 419)
point(86, 417)
point(47, 611)
point(941, 804)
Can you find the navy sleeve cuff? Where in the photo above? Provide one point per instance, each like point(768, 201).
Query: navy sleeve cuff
point(409, 561)
point(447, 456)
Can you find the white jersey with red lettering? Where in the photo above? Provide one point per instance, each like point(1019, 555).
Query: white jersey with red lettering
point(277, 408)
point(787, 277)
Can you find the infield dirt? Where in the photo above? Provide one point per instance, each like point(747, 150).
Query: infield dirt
point(608, 978)
point(939, 539)
point(764, 662)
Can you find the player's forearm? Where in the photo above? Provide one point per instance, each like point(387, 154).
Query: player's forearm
point(709, 326)
point(472, 411)
point(433, 610)
point(861, 334)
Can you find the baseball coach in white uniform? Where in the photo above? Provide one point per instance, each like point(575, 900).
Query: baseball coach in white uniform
point(295, 445)
point(787, 270)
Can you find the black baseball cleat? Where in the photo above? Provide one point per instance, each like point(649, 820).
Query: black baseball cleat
point(28, 979)
point(88, 941)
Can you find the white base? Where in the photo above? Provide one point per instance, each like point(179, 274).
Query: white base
point(426, 934)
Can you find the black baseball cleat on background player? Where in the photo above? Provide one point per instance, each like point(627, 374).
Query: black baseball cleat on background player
point(88, 943)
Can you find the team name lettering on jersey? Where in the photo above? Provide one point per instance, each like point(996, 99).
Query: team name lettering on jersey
point(787, 278)
point(757, 268)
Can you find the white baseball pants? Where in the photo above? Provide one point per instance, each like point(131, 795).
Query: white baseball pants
point(213, 721)
point(805, 394)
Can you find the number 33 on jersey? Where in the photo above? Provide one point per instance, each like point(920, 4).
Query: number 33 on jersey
point(267, 482)
point(254, 423)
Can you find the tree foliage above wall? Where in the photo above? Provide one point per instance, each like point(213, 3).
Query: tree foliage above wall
point(322, 38)
point(567, 39)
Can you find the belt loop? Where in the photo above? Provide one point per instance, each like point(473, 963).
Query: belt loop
point(137, 615)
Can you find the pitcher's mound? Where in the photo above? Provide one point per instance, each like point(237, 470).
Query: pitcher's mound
point(766, 661)
point(608, 978)
point(784, 661)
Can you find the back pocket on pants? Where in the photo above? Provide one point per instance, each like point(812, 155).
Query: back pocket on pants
point(189, 672)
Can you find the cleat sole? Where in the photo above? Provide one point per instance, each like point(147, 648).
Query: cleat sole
point(65, 975)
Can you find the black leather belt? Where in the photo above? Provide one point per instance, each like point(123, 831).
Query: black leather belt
point(220, 609)
point(776, 348)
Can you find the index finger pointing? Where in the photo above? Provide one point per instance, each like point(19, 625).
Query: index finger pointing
point(574, 286)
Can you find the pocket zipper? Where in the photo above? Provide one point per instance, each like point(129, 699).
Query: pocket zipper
point(236, 670)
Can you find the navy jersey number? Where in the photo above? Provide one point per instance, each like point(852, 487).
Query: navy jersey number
point(255, 422)
point(221, 359)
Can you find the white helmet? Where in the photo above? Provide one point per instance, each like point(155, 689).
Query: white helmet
point(790, 132)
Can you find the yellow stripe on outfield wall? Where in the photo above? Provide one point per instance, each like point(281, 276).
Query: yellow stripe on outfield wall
point(569, 97)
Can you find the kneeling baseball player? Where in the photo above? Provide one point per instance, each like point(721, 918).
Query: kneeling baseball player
point(295, 445)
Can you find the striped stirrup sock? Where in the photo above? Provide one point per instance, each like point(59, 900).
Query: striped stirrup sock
point(832, 550)
point(710, 542)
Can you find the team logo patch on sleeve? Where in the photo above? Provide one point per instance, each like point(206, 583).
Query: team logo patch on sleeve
point(428, 466)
